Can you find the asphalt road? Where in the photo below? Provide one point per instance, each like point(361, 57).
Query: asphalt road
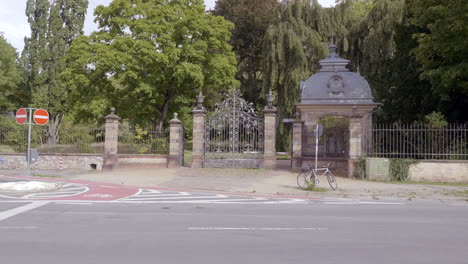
point(106, 232)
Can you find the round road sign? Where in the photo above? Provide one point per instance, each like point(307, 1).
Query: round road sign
point(41, 117)
point(318, 130)
point(21, 116)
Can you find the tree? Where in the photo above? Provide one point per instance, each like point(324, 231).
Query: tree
point(405, 97)
point(10, 76)
point(292, 49)
point(251, 20)
point(149, 58)
point(54, 24)
point(442, 51)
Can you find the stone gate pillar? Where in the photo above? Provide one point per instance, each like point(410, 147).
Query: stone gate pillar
point(199, 120)
point(269, 151)
point(175, 141)
point(355, 146)
point(111, 140)
point(296, 150)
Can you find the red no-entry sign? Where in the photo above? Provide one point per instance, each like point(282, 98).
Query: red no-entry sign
point(41, 117)
point(21, 116)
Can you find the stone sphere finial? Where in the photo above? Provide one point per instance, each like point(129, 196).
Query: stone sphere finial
point(175, 115)
point(112, 110)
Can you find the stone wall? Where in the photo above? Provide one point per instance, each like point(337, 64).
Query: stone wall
point(81, 161)
point(424, 170)
point(142, 161)
point(53, 162)
point(439, 171)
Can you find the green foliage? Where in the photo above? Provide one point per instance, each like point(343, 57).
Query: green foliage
point(80, 136)
point(14, 137)
point(399, 169)
point(314, 188)
point(54, 25)
point(251, 20)
point(141, 141)
point(290, 54)
point(435, 120)
point(148, 59)
point(334, 121)
point(442, 48)
point(360, 169)
point(10, 76)
point(399, 105)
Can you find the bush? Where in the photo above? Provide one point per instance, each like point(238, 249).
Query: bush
point(360, 170)
point(16, 136)
point(399, 169)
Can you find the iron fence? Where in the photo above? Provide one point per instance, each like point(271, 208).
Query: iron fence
point(138, 140)
point(70, 140)
point(417, 141)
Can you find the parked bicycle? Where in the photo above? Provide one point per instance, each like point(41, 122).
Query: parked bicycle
point(309, 174)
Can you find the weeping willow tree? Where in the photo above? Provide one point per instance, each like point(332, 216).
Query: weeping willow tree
point(298, 41)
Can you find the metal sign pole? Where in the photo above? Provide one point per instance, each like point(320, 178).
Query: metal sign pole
point(28, 155)
point(316, 145)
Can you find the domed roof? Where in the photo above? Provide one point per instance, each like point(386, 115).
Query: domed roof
point(335, 84)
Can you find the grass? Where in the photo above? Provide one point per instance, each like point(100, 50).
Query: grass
point(47, 176)
point(187, 156)
point(314, 188)
point(6, 149)
point(283, 157)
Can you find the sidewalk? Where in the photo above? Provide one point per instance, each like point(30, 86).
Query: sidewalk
point(258, 181)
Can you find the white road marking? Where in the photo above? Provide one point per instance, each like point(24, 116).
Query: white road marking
point(107, 186)
point(390, 203)
point(362, 202)
point(79, 203)
point(258, 228)
point(100, 195)
point(18, 227)
point(18, 210)
point(172, 197)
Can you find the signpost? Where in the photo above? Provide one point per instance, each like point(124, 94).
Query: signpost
point(21, 116)
point(41, 117)
point(318, 131)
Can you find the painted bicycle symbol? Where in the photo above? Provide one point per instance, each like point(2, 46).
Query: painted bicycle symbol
point(99, 195)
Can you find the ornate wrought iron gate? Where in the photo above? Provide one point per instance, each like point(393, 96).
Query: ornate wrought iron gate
point(234, 135)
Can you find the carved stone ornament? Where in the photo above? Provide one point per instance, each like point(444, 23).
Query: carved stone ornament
point(335, 85)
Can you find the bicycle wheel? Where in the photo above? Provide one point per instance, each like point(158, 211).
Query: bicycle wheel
point(331, 180)
point(303, 180)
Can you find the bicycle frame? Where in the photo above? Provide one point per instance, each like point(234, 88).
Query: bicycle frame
point(312, 172)
point(316, 174)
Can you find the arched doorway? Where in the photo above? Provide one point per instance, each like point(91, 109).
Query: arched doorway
point(333, 144)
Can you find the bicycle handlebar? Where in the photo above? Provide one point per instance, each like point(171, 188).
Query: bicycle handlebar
point(326, 166)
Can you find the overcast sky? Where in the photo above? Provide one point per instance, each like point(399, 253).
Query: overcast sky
point(14, 24)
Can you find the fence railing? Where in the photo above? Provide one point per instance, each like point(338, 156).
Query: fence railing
point(417, 141)
point(138, 140)
point(70, 140)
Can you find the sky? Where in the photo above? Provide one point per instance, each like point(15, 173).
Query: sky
point(14, 24)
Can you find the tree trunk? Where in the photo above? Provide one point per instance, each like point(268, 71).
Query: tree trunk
point(162, 112)
point(53, 129)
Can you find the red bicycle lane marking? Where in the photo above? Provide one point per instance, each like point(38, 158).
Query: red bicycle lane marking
point(96, 191)
point(101, 193)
